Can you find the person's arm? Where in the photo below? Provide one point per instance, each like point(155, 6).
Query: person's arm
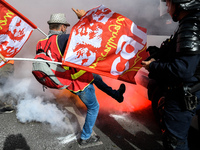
point(2, 57)
point(79, 13)
point(180, 68)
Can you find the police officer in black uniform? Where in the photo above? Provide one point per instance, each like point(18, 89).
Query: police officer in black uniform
point(175, 66)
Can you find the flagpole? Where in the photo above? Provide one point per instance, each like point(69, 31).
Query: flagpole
point(36, 60)
point(42, 32)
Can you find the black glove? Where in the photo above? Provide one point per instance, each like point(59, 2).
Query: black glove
point(152, 50)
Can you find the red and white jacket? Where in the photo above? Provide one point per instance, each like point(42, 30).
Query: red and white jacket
point(77, 79)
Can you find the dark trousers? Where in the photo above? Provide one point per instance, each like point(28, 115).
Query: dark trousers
point(177, 120)
point(100, 84)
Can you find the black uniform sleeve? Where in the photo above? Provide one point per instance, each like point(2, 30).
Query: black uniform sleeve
point(180, 69)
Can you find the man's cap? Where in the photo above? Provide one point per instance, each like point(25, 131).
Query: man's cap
point(58, 18)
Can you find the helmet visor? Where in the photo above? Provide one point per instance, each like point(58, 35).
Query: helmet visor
point(163, 7)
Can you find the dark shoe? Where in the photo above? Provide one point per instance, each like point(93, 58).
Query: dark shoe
point(121, 91)
point(91, 140)
point(6, 109)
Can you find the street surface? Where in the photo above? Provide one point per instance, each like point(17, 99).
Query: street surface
point(126, 131)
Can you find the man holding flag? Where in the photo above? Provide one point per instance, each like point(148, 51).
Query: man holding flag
point(79, 81)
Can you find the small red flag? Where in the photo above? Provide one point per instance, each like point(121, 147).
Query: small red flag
point(15, 29)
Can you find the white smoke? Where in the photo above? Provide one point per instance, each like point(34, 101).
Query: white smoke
point(32, 104)
point(36, 109)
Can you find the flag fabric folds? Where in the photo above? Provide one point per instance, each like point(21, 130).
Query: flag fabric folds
point(106, 43)
point(15, 29)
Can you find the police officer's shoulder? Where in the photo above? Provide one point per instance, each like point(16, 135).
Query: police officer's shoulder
point(188, 40)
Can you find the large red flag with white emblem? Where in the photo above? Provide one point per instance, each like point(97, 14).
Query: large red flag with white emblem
point(106, 43)
point(15, 29)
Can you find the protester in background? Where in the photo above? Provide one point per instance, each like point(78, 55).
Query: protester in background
point(81, 82)
point(176, 70)
point(5, 72)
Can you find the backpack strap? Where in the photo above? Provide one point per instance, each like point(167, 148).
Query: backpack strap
point(45, 48)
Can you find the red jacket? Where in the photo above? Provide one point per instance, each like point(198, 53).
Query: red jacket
point(77, 79)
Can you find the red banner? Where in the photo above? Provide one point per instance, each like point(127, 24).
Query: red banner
point(106, 43)
point(15, 29)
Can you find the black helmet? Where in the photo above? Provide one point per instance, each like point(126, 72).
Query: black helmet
point(187, 4)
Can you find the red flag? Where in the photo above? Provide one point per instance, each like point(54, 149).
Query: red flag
point(106, 43)
point(15, 29)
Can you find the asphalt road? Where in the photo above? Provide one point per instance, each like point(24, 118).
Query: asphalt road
point(118, 131)
point(128, 131)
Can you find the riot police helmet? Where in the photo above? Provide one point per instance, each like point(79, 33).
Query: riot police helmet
point(183, 5)
point(187, 4)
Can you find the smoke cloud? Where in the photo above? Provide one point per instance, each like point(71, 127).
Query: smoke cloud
point(36, 110)
point(32, 104)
